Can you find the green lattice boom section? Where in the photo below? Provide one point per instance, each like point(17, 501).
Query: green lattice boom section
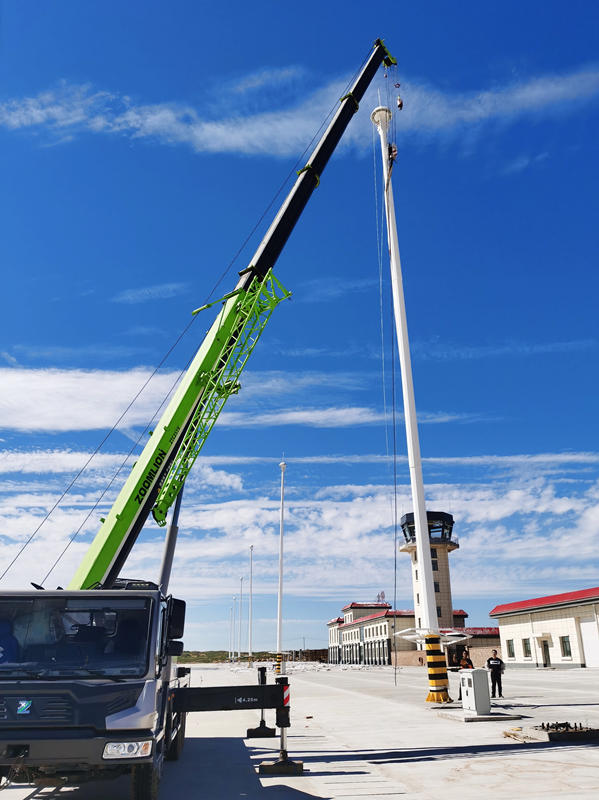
point(255, 307)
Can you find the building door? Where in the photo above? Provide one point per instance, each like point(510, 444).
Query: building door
point(546, 656)
point(590, 641)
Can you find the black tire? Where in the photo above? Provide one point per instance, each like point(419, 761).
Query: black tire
point(176, 747)
point(145, 780)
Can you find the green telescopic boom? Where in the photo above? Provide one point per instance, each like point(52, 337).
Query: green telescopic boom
point(213, 375)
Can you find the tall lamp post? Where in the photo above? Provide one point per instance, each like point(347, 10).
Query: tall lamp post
point(233, 629)
point(428, 629)
point(280, 664)
point(240, 616)
point(250, 609)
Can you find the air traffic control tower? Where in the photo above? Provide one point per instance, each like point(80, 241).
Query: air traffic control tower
point(440, 529)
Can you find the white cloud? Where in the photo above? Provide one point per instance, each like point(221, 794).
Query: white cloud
point(332, 417)
point(95, 399)
point(523, 162)
point(145, 294)
point(265, 78)
point(58, 461)
point(448, 352)
point(68, 110)
point(71, 400)
point(339, 540)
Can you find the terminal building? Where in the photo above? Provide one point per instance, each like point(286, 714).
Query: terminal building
point(560, 630)
point(365, 634)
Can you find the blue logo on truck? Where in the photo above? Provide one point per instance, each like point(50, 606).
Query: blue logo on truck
point(24, 706)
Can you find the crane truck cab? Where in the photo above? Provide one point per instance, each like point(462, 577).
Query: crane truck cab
point(86, 685)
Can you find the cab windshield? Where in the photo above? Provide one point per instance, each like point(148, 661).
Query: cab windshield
point(74, 636)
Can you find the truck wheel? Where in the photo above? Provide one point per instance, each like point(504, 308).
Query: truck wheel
point(145, 780)
point(176, 746)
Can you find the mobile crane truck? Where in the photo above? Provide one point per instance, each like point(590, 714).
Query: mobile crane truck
point(89, 685)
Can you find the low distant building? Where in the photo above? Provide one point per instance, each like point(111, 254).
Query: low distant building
point(365, 634)
point(560, 630)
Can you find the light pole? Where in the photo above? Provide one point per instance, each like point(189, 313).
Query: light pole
point(250, 609)
point(233, 629)
point(230, 633)
point(428, 628)
point(240, 616)
point(282, 467)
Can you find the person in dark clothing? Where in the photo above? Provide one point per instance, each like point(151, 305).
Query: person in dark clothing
point(465, 663)
point(496, 666)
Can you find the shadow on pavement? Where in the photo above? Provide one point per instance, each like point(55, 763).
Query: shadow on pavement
point(212, 768)
point(223, 768)
point(439, 753)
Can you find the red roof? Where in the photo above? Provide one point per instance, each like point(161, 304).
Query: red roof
point(366, 605)
point(335, 619)
point(551, 600)
point(481, 631)
point(407, 612)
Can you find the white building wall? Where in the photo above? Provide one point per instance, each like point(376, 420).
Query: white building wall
point(546, 625)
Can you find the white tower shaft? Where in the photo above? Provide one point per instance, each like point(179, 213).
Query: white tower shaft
point(381, 117)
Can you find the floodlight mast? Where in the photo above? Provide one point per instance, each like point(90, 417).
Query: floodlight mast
point(213, 375)
point(427, 629)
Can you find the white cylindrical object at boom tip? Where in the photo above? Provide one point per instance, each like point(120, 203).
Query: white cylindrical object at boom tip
point(381, 117)
point(282, 467)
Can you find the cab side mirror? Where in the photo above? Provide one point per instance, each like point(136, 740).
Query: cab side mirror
point(176, 619)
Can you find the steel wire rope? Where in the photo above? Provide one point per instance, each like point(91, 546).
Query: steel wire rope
point(393, 498)
point(101, 444)
point(293, 170)
point(394, 478)
point(116, 474)
point(170, 350)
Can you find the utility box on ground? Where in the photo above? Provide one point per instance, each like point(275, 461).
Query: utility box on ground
point(475, 690)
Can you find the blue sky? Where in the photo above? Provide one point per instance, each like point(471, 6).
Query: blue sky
point(140, 144)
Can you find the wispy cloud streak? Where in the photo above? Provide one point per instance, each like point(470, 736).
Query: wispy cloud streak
point(145, 294)
point(435, 351)
point(69, 110)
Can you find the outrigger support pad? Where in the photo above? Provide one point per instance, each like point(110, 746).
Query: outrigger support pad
point(283, 765)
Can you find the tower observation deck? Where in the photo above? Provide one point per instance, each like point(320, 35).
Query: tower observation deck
point(442, 542)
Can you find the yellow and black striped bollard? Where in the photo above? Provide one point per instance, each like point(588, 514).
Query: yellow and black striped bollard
point(437, 671)
point(278, 664)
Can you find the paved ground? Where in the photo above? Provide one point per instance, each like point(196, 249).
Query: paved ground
point(361, 735)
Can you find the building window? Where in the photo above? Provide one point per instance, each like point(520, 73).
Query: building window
point(419, 625)
point(417, 597)
point(564, 642)
point(415, 574)
point(438, 611)
point(415, 557)
point(435, 565)
point(526, 648)
point(437, 587)
point(510, 648)
point(433, 552)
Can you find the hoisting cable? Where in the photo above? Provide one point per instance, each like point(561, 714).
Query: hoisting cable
point(167, 354)
point(394, 482)
point(116, 474)
point(100, 445)
point(292, 171)
point(393, 498)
